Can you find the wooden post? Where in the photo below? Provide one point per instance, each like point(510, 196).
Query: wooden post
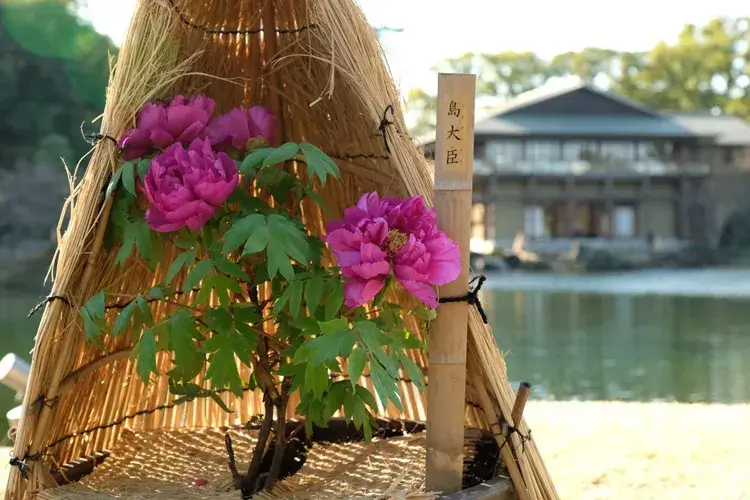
point(454, 169)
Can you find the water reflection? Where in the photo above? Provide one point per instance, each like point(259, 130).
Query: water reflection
point(641, 348)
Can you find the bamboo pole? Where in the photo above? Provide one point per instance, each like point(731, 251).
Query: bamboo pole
point(454, 170)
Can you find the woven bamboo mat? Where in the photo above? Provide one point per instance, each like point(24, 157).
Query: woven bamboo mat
point(164, 464)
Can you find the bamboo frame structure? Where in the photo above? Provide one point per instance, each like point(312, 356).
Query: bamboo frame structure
point(318, 64)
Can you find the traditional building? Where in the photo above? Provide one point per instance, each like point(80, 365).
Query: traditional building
point(570, 160)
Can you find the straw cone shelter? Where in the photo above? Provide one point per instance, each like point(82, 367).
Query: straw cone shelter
point(318, 66)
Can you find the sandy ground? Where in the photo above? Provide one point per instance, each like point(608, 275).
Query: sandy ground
point(637, 451)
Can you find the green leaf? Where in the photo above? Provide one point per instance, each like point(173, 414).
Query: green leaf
point(145, 350)
point(356, 365)
point(319, 164)
point(385, 386)
point(278, 261)
point(222, 369)
point(335, 298)
point(128, 177)
point(144, 311)
point(199, 271)
point(184, 259)
point(314, 292)
point(316, 379)
point(217, 399)
point(283, 153)
point(123, 319)
point(295, 299)
point(128, 240)
point(228, 267)
point(96, 305)
point(157, 292)
point(292, 240)
point(254, 159)
point(113, 182)
point(334, 400)
point(143, 238)
point(414, 372)
point(366, 397)
point(188, 360)
point(143, 166)
point(257, 241)
point(241, 230)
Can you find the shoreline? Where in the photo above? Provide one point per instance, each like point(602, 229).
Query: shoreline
point(638, 451)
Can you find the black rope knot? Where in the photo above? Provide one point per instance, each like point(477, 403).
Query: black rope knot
point(94, 138)
point(45, 301)
point(22, 465)
point(471, 297)
point(384, 124)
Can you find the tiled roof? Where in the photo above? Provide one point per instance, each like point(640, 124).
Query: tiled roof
point(729, 130)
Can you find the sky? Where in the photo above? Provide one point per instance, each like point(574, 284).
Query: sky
point(434, 30)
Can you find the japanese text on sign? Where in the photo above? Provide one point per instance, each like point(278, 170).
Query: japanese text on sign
point(452, 152)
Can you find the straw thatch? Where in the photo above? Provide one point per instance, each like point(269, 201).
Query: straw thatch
point(318, 66)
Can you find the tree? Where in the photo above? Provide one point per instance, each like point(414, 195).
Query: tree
point(54, 71)
point(704, 70)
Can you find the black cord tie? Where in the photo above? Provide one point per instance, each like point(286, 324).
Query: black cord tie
point(471, 297)
point(383, 127)
point(22, 465)
point(45, 301)
point(95, 137)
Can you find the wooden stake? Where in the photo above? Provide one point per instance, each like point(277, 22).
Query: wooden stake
point(454, 171)
point(520, 403)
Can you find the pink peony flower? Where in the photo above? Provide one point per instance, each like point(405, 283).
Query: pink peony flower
point(184, 186)
point(380, 237)
point(236, 128)
point(160, 125)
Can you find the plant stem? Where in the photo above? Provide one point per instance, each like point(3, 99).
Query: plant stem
point(249, 480)
point(278, 453)
point(231, 462)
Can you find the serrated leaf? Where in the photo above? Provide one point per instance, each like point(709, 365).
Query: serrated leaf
point(356, 365)
point(143, 239)
point(367, 397)
point(318, 163)
point(334, 400)
point(144, 311)
point(184, 259)
point(415, 374)
point(96, 305)
point(257, 241)
point(283, 153)
point(146, 353)
point(123, 319)
point(128, 177)
point(241, 230)
point(278, 262)
point(254, 159)
point(157, 292)
point(316, 379)
point(222, 369)
point(113, 182)
point(385, 386)
point(314, 292)
point(291, 239)
point(199, 271)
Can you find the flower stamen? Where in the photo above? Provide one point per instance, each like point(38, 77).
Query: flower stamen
point(395, 241)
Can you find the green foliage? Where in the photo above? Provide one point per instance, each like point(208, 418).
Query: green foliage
point(54, 70)
point(704, 70)
point(256, 241)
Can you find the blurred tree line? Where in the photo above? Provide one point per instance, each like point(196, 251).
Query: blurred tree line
point(53, 75)
point(706, 69)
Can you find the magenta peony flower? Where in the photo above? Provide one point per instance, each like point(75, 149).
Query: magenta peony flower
point(184, 186)
point(160, 125)
point(239, 126)
point(379, 237)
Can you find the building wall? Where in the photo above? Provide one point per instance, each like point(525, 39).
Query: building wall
point(655, 211)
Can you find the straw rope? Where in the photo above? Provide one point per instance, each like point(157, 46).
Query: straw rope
point(318, 65)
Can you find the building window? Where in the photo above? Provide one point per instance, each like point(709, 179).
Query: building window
point(543, 150)
point(506, 151)
point(533, 222)
point(618, 150)
point(477, 221)
point(578, 150)
point(657, 150)
point(624, 221)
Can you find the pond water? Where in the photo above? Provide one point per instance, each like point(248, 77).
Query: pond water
point(667, 335)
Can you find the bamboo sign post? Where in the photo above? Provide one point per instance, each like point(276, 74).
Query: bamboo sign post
point(454, 169)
